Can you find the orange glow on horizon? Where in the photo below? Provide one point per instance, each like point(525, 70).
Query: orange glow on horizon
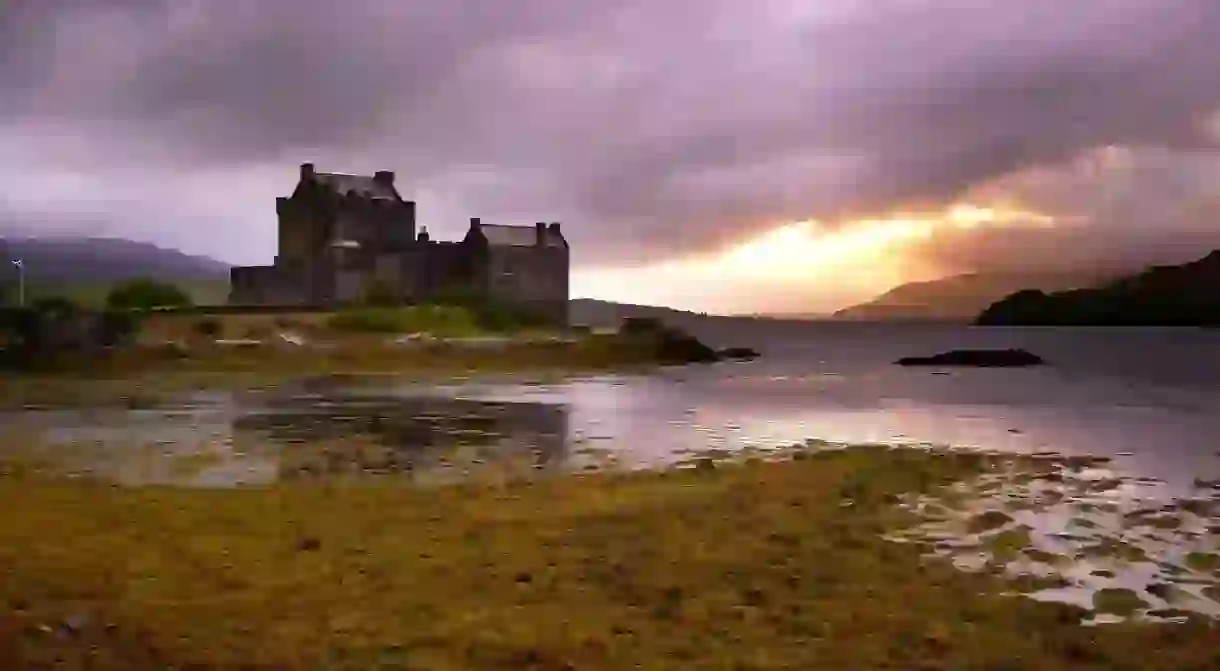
point(801, 266)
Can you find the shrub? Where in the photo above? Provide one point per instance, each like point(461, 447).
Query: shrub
point(366, 320)
point(54, 331)
point(458, 296)
point(146, 294)
point(491, 315)
point(500, 317)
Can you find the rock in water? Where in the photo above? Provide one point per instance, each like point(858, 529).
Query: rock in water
point(677, 347)
point(980, 358)
point(673, 345)
point(739, 353)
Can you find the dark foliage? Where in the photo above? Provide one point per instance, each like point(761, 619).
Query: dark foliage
point(380, 294)
point(146, 294)
point(53, 332)
point(490, 314)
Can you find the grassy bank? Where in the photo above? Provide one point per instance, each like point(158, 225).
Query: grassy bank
point(439, 320)
point(761, 566)
point(423, 340)
point(358, 354)
point(141, 375)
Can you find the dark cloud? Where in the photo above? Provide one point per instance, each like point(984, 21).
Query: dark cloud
point(653, 128)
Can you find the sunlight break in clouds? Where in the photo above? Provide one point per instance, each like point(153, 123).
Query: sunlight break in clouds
point(805, 266)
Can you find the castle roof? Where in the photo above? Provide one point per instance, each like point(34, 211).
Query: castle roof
point(364, 185)
point(499, 235)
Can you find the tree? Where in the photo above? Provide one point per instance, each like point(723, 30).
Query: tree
point(145, 294)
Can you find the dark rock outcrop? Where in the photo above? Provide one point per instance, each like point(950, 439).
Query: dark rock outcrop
point(673, 346)
point(641, 326)
point(738, 353)
point(978, 358)
point(677, 347)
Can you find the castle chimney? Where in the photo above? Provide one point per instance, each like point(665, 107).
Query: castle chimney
point(307, 172)
point(554, 228)
point(384, 177)
point(540, 234)
point(475, 222)
point(423, 234)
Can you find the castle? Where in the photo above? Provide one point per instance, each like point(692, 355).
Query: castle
point(341, 236)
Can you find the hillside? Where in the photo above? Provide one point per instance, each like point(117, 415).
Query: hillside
point(961, 297)
point(85, 268)
point(1181, 295)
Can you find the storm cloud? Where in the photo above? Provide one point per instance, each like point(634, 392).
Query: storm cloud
point(653, 129)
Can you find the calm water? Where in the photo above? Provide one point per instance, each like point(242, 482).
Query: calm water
point(1150, 398)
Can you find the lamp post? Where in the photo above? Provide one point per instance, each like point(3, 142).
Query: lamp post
point(20, 266)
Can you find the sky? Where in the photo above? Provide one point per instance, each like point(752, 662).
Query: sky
point(716, 155)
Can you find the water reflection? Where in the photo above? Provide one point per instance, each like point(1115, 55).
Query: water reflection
point(352, 433)
point(643, 421)
point(260, 436)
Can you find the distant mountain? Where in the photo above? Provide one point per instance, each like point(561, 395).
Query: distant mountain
point(106, 260)
point(962, 297)
point(1181, 295)
point(86, 267)
point(792, 316)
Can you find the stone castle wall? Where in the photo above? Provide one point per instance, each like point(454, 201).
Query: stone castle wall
point(385, 248)
point(535, 277)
